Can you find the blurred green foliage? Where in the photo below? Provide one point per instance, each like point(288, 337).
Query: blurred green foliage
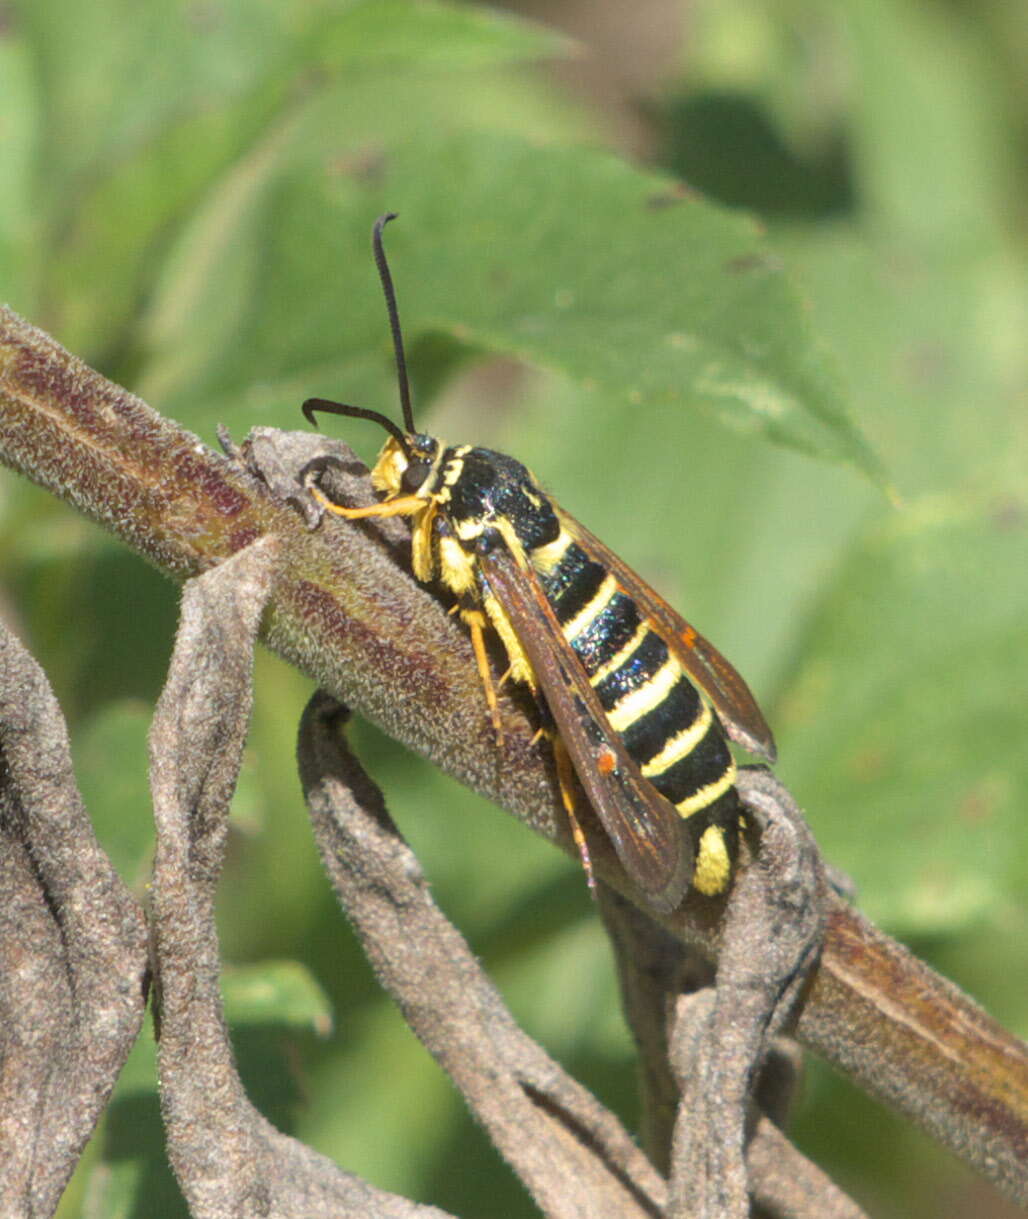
point(814, 440)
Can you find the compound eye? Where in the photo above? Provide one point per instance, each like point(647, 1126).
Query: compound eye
point(415, 474)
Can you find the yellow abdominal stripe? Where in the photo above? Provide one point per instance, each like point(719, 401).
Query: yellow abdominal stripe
point(706, 796)
point(546, 557)
point(681, 745)
point(635, 704)
point(619, 658)
point(588, 613)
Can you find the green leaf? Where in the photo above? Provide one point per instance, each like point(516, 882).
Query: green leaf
point(577, 262)
point(19, 140)
point(276, 992)
point(929, 143)
point(130, 158)
point(931, 343)
point(116, 75)
point(570, 260)
point(904, 724)
point(111, 760)
point(428, 35)
point(125, 1170)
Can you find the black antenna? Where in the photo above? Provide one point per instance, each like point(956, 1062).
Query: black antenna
point(359, 412)
point(394, 318)
point(353, 412)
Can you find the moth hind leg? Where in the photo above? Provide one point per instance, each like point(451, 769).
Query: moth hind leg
point(566, 782)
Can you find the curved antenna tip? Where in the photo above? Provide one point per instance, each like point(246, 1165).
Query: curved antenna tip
point(355, 412)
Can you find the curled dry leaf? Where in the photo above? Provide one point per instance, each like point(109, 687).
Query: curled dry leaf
point(548, 1128)
point(228, 1159)
point(772, 935)
point(73, 950)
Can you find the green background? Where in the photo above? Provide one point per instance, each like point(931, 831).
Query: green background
point(744, 283)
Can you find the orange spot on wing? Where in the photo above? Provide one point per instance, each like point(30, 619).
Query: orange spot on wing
point(606, 763)
point(689, 637)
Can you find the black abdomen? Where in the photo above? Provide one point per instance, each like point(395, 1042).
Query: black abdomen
point(668, 728)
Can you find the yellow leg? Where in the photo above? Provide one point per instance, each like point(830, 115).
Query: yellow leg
point(566, 780)
point(475, 620)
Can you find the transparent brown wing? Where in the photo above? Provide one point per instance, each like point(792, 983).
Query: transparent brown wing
point(649, 836)
point(729, 695)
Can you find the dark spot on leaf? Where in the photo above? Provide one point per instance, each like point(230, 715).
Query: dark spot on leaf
point(1008, 515)
point(678, 193)
point(753, 262)
point(366, 165)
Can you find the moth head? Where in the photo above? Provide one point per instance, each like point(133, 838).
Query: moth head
point(403, 466)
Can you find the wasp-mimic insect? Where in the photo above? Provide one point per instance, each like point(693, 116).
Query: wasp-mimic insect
point(641, 704)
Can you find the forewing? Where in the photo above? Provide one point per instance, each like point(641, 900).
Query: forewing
point(647, 832)
point(729, 695)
